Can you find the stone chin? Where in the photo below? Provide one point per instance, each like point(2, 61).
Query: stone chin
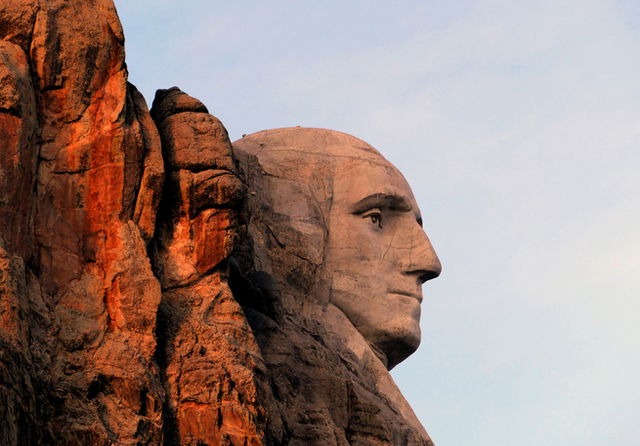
point(395, 335)
point(403, 343)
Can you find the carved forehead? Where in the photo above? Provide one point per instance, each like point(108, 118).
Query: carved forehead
point(328, 162)
point(309, 141)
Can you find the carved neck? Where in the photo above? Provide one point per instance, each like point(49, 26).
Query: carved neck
point(368, 360)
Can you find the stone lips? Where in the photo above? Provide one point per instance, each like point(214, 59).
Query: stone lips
point(145, 295)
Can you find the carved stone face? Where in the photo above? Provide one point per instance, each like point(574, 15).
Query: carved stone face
point(378, 255)
point(327, 205)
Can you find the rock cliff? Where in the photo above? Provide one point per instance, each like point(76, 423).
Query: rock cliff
point(133, 307)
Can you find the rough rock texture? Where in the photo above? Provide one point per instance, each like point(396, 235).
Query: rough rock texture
point(82, 359)
point(146, 295)
point(81, 174)
point(313, 245)
point(208, 352)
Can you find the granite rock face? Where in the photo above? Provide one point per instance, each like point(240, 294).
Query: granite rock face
point(335, 241)
point(161, 286)
point(207, 351)
point(81, 175)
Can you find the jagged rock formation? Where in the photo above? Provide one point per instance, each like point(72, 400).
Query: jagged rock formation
point(81, 180)
point(207, 351)
point(135, 305)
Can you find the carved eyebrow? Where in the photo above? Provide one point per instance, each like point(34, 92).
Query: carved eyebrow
point(382, 201)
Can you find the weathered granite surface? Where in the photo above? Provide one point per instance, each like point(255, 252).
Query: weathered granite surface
point(207, 351)
point(161, 286)
point(81, 177)
point(335, 242)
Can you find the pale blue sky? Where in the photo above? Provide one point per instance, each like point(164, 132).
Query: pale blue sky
point(517, 123)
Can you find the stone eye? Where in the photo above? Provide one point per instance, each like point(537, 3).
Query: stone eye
point(375, 217)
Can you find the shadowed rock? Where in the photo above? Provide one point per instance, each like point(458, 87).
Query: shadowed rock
point(207, 350)
point(161, 286)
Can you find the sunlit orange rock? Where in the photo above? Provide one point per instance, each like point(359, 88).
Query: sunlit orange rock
point(159, 286)
point(209, 355)
point(77, 144)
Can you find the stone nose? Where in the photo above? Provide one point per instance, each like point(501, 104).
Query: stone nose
point(422, 260)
